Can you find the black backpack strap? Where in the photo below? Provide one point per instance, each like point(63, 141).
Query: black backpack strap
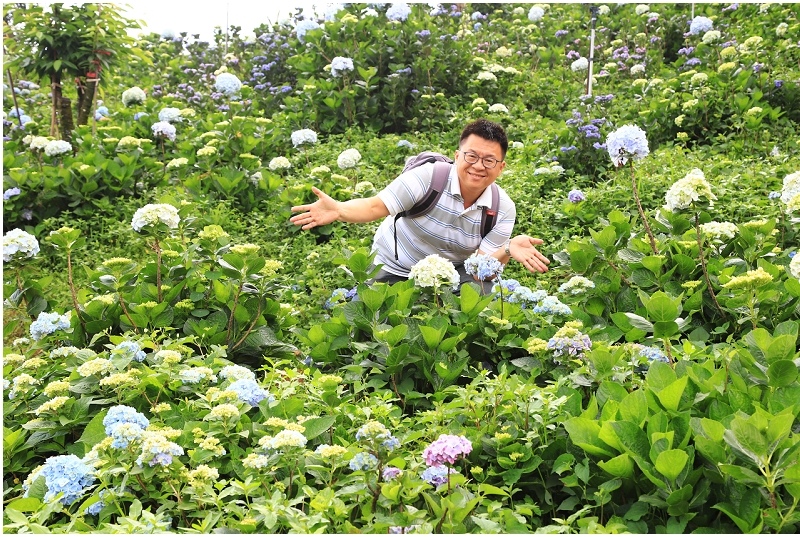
point(441, 171)
point(489, 216)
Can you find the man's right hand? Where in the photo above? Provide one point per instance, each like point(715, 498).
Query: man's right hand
point(323, 211)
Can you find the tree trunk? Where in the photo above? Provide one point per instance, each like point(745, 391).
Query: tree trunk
point(67, 124)
point(85, 98)
point(55, 89)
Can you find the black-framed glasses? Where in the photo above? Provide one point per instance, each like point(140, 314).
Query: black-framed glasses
point(472, 158)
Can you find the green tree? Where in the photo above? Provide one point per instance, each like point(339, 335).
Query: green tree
point(60, 43)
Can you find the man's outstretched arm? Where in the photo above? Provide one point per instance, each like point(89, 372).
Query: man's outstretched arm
point(326, 210)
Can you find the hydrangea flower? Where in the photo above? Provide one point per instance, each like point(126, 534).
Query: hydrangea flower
point(398, 12)
point(164, 129)
point(485, 267)
point(155, 213)
point(434, 271)
point(134, 95)
point(19, 244)
point(749, 280)
point(794, 266)
point(130, 348)
point(65, 474)
point(551, 305)
point(236, 372)
point(581, 64)
point(575, 196)
point(303, 136)
point(279, 163)
point(287, 438)
point(227, 83)
point(170, 115)
point(447, 448)
point(363, 461)
point(628, 141)
point(120, 414)
point(719, 230)
point(576, 285)
point(158, 449)
point(684, 192)
point(341, 64)
point(391, 472)
point(304, 26)
point(250, 392)
point(374, 432)
point(194, 375)
point(650, 353)
point(47, 323)
point(406, 144)
point(569, 340)
point(437, 475)
point(349, 158)
point(791, 187)
point(700, 25)
point(498, 108)
point(55, 148)
point(535, 14)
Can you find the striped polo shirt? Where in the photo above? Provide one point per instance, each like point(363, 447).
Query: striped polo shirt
point(447, 229)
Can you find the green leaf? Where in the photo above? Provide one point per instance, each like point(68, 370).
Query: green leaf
point(782, 373)
point(317, 426)
point(432, 336)
point(585, 433)
point(782, 347)
point(632, 438)
point(619, 466)
point(670, 396)
point(95, 431)
point(486, 488)
point(637, 321)
point(670, 463)
point(634, 407)
point(662, 308)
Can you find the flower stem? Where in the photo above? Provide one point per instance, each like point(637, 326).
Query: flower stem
point(703, 263)
point(157, 247)
point(641, 211)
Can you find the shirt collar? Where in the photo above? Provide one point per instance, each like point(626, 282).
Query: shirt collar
point(484, 200)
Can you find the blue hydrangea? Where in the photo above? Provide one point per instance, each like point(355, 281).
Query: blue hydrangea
point(16, 112)
point(398, 12)
point(97, 506)
point(130, 349)
point(575, 196)
point(304, 26)
point(47, 323)
point(437, 475)
point(573, 346)
point(337, 297)
point(228, 83)
point(363, 461)
point(138, 115)
point(525, 296)
point(551, 305)
point(120, 414)
point(406, 144)
point(66, 474)
point(170, 115)
point(14, 191)
point(700, 25)
point(485, 267)
point(341, 64)
point(628, 141)
point(102, 111)
point(250, 392)
point(651, 353)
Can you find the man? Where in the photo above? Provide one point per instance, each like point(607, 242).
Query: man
point(452, 228)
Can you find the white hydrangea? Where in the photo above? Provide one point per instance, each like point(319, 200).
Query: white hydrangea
point(349, 158)
point(279, 163)
point(486, 75)
point(19, 244)
point(57, 147)
point(637, 69)
point(535, 14)
point(134, 95)
point(719, 230)
point(603, 10)
point(641, 9)
point(154, 213)
point(434, 271)
point(576, 285)
point(581, 64)
point(791, 187)
point(228, 83)
point(794, 266)
point(303, 136)
point(711, 36)
point(691, 188)
point(170, 115)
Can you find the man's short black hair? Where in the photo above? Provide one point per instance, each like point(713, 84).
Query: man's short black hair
point(488, 130)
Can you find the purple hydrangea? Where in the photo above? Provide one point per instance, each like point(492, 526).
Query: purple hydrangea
point(575, 196)
point(11, 192)
point(446, 449)
point(437, 475)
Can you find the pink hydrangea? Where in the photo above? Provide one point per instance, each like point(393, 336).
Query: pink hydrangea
point(446, 449)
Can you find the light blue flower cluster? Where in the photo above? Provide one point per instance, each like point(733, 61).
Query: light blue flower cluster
point(170, 115)
point(66, 474)
point(627, 141)
point(337, 297)
point(700, 25)
point(398, 11)
point(651, 353)
point(157, 449)
point(551, 305)
point(535, 14)
point(340, 64)
point(123, 414)
point(570, 345)
point(164, 129)
point(576, 285)
point(130, 349)
point(250, 392)
point(97, 506)
point(406, 144)
point(374, 432)
point(304, 26)
point(228, 83)
point(47, 323)
point(363, 461)
point(485, 267)
point(15, 191)
point(303, 136)
point(437, 475)
point(402, 530)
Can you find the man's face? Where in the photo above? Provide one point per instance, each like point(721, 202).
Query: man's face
point(474, 178)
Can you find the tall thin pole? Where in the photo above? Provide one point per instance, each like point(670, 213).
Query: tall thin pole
point(593, 10)
point(692, 10)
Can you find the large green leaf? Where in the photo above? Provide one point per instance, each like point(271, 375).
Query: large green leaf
point(670, 463)
point(585, 433)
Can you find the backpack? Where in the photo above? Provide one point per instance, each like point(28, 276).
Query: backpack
point(441, 170)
